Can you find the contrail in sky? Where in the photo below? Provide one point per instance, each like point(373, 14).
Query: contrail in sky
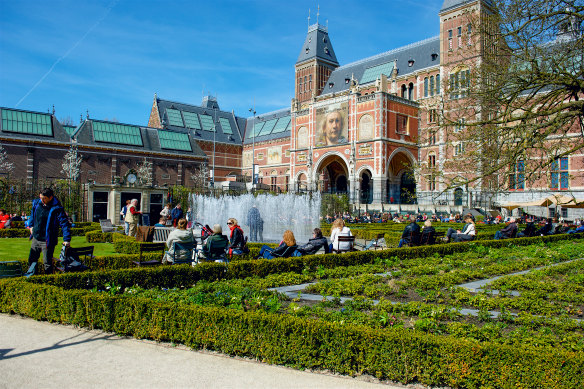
point(107, 11)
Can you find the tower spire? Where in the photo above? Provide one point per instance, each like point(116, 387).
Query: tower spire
point(317, 13)
point(309, 18)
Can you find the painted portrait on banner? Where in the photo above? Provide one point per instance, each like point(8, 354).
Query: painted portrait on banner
point(275, 154)
point(331, 125)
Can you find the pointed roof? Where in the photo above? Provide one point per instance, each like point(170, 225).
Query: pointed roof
point(317, 45)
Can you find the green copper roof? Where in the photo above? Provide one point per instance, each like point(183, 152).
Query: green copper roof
point(282, 125)
point(117, 133)
point(174, 117)
point(69, 129)
point(226, 125)
point(268, 127)
point(191, 120)
point(26, 122)
point(371, 74)
point(174, 140)
point(207, 122)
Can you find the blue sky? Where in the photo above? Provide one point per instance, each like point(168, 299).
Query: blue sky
point(110, 57)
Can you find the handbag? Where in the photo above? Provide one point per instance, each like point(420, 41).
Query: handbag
point(69, 261)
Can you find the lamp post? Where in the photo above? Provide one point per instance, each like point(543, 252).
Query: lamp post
point(253, 173)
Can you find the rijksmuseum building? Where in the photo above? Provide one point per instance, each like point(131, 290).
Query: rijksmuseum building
point(354, 128)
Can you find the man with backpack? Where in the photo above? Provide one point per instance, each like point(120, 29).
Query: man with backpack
point(46, 217)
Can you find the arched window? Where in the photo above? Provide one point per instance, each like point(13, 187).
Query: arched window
point(366, 127)
point(411, 91)
point(302, 138)
point(426, 87)
point(437, 84)
point(459, 83)
point(431, 85)
point(404, 92)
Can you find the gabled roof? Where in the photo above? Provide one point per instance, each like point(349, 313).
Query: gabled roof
point(136, 138)
point(199, 121)
point(26, 125)
point(317, 45)
point(424, 54)
point(268, 126)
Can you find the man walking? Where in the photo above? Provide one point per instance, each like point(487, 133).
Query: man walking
point(132, 217)
point(46, 217)
point(177, 214)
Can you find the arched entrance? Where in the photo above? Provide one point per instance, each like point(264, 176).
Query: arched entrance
point(407, 188)
point(366, 188)
point(301, 183)
point(333, 175)
point(401, 183)
point(458, 196)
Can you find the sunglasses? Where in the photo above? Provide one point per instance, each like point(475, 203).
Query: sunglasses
point(229, 223)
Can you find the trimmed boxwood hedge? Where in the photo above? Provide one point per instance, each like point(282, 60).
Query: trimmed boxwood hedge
point(395, 353)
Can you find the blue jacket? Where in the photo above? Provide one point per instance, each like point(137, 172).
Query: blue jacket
point(57, 218)
point(176, 213)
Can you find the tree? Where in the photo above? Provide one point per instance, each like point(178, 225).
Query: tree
point(5, 166)
point(200, 175)
point(513, 105)
point(145, 172)
point(72, 164)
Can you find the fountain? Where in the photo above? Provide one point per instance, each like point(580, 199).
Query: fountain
point(299, 213)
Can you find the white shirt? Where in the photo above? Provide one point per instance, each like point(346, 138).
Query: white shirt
point(335, 233)
point(470, 229)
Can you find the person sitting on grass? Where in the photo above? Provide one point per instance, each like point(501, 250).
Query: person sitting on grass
point(411, 234)
point(180, 235)
point(284, 250)
point(508, 232)
point(316, 243)
point(468, 232)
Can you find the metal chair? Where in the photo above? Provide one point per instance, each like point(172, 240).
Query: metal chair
point(344, 239)
point(80, 254)
point(182, 252)
point(379, 241)
point(149, 248)
point(10, 269)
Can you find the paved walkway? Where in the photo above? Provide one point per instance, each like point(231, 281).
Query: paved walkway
point(39, 354)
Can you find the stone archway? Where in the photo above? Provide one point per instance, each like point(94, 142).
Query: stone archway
point(333, 175)
point(401, 183)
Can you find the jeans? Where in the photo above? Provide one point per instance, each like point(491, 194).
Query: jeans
point(498, 235)
point(36, 248)
point(266, 252)
point(126, 228)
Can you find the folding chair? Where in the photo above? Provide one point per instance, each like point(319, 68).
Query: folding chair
point(149, 248)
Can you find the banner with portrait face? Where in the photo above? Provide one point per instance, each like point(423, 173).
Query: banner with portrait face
point(331, 125)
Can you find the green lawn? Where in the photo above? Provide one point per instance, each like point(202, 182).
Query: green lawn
point(18, 248)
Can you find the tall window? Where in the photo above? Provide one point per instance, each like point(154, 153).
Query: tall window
point(432, 116)
point(560, 178)
point(426, 87)
point(459, 125)
point(310, 82)
point(517, 176)
point(459, 148)
point(449, 39)
point(411, 91)
point(469, 32)
point(437, 84)
point(432, 177)
point(401, 124)
point(459, 84)
point(404, 91)
point(459, 36)
point(305, 84)
point(431, 85)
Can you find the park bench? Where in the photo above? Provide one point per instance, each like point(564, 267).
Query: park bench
point(161, 234)
point(106, 225)
point(149, 248)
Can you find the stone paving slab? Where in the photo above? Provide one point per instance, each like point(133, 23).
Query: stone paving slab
point(37, 354)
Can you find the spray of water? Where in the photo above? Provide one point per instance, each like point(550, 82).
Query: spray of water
point(299, 213)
